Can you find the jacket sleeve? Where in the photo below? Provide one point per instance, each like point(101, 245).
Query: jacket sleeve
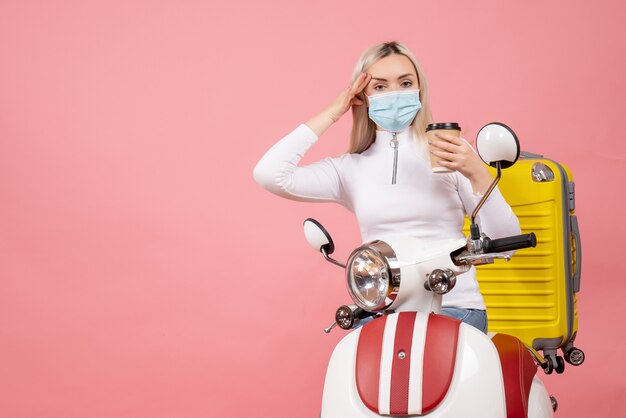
point(495, 218)
point(278, 171)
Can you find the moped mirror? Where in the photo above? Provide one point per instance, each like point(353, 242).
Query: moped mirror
point(498, 146)
point(318, 238)
point(497, 143)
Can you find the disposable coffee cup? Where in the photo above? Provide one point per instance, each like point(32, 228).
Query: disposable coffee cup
point(450, 128)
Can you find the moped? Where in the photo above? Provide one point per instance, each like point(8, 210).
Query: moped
point(401, 357)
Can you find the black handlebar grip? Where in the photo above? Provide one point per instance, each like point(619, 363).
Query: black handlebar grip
point(516, 242)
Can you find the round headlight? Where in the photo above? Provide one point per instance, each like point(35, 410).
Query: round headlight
point(373, 276)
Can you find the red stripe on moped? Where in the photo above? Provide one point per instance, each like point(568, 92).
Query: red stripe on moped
point(401, 367)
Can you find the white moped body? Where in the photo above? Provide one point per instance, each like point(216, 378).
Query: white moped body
point(476, 388)
point(408, 359)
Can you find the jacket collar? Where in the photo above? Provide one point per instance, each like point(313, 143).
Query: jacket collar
point(383, 139)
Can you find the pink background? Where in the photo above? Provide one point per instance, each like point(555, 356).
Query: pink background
point(142, 271)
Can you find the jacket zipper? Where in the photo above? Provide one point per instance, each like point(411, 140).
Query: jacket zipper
point(394, 145)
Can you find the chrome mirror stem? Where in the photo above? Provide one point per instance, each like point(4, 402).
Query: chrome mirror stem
point(475, 232)
point(329, 258)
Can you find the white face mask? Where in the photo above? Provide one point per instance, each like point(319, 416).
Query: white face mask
point(394, 111)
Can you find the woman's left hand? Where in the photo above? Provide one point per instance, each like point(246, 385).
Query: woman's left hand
point(457, 154)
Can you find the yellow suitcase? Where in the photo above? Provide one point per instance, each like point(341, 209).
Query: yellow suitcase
point(533, 296)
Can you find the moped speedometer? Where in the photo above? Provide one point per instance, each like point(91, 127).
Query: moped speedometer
point(373, 276)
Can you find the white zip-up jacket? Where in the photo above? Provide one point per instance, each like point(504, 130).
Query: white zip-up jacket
point(428, 206)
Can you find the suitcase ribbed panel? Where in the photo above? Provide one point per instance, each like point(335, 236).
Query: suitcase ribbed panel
point(531, 296)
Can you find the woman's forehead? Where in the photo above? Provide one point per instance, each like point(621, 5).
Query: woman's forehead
point(391, 67)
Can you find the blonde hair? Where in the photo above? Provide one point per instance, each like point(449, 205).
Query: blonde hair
point(363, 131)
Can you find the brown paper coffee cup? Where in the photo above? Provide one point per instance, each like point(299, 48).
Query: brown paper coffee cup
point(450, 128)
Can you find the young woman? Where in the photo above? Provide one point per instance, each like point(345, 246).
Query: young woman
point(385, 178)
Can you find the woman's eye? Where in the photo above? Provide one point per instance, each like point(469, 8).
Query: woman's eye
point(379, 87)
point(407, 84)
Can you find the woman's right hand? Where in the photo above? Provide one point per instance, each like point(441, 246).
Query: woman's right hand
point(334, 111)
point(348, 98)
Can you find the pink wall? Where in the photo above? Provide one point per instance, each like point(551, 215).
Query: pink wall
point(144, 274)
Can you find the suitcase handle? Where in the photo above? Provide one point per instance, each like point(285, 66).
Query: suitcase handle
point(579, 253)
point(527, 154)
point(515, 242)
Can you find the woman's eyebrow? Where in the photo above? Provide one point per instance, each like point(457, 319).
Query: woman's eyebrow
point(402, 76)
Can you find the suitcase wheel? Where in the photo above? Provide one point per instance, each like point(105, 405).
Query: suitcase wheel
point(560, 365)
point(548, 365)
point(553, 364)
point(575, 356)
